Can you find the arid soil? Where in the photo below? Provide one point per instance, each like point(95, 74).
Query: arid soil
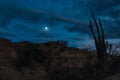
point(52, 61)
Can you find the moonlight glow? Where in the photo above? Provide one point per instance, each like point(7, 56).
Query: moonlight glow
point(46, 29)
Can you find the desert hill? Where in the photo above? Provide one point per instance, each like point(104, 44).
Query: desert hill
point(51, 61)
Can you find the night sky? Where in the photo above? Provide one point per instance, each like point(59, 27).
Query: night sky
point(40, 21)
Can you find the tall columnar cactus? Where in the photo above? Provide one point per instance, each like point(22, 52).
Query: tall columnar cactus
point(101, 45)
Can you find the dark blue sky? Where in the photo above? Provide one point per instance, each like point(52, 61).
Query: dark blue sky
point(25, 20)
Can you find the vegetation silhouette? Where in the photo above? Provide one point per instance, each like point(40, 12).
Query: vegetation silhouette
point(103, 48)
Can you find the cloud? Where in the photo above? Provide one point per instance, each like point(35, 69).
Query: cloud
point(66, 19)
point(103, 5)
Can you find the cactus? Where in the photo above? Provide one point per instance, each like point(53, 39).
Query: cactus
point(102, 47)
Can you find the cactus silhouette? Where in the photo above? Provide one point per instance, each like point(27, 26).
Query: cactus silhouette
point(102, 47)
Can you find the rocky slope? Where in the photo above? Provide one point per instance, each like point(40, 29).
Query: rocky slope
point(51, 61)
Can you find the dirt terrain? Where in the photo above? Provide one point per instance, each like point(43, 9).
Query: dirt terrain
point(52, 61)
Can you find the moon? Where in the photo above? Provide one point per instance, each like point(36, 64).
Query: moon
point(46, 29)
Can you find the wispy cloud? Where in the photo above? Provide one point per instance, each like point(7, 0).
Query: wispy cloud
point(66, 19)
